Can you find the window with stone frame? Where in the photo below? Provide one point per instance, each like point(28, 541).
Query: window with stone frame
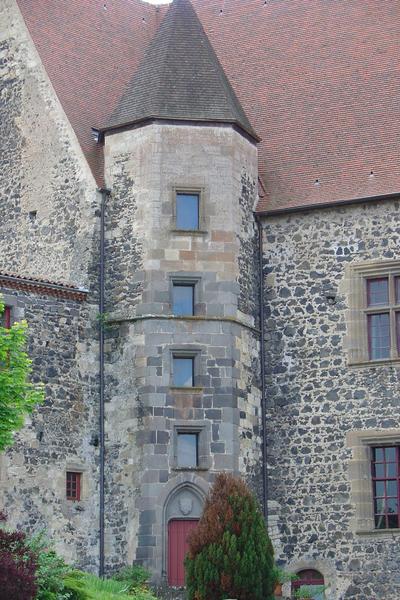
point(187, 451)
point(188, 209)
point(374, 312)
point(183, 370)
point(191, 445)
point(374, 473)
point(183, 299)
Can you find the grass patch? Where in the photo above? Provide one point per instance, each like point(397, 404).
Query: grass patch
point(84, 586)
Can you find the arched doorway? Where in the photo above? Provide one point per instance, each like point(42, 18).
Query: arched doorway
point(312, 582)
point(182, 512)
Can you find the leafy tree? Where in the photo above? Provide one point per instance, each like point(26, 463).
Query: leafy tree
point(18, 396)
point(230, 554)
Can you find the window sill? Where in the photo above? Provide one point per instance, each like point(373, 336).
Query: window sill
point(189, 231)
point(375, 363)
point(379, 532)
point(190, 468)
point(181, 388)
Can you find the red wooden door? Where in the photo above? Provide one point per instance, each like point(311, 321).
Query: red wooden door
point(178, 531)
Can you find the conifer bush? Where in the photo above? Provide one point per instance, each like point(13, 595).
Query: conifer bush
point(230, 554)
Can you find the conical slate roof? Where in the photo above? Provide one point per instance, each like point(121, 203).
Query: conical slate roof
point(180, 78)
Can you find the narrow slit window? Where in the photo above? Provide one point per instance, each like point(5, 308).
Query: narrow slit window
point(73, 486)
point(188, 450)
point(187, 211)
point(183, 299)
point(183, 371)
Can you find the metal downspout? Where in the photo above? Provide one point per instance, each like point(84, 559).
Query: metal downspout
point(104, 193)
point(262, 358)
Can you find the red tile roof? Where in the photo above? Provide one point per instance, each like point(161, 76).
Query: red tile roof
point(319, 81)
point(90, 48)
point(42, 286)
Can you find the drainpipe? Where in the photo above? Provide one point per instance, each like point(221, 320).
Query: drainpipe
point(262, 358)
point(104, 193)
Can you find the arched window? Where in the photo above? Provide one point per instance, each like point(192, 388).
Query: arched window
point(309, 585)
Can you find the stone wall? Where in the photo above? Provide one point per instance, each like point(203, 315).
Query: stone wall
point(61, 434)
point(48, 195)
point(49, 229)
point(315, 398)
point(145, 253)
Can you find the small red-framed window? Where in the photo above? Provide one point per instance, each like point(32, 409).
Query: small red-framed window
point(6, 317)
point(73, 486)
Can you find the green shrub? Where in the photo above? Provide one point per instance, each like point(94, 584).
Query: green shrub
point(136, 575)
point(83, 586)
point(51, 570)
point(74, 584)
point(230, 554)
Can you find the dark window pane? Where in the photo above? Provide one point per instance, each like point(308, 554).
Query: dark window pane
point(310, 575)
point(379, 488)
point(392, 506)
point(379, 336)
point(187, 449)
point(391, 469)
point(390, 454)
point(380, 522)
point(379, 506)
point(378, 291)
point(187, 211)
point(183, 299)
point(380, 470)
point(393, 521)
point(183, 375)
point(397, 289)
point(398, 331)
point(391, 487)
point(379, 454)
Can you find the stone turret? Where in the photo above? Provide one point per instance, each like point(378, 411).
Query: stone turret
point(183, 349)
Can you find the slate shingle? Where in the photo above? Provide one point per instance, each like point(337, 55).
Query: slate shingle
point(180, 78)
